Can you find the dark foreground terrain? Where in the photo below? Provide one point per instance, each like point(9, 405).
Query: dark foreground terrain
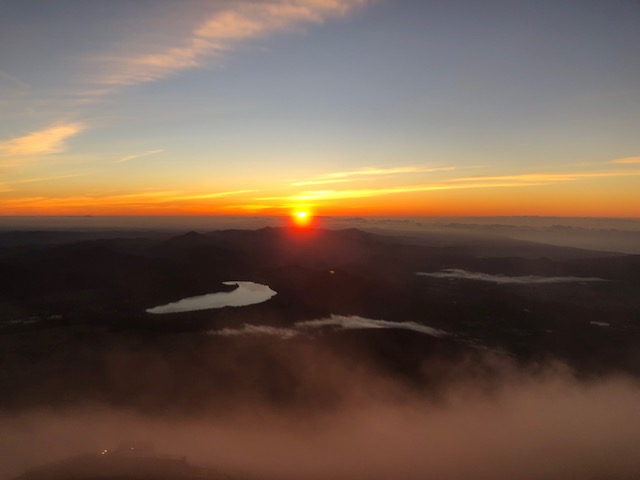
point(358, 317)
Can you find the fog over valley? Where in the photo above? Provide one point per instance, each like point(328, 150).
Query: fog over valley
point(531, 424)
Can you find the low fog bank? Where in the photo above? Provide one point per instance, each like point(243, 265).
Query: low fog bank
point(459, 274)
point(598, 234)
point(516, 423)
point(355, 322)
point(340, 322)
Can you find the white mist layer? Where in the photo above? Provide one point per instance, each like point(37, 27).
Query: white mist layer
point(456, 273)
point(248, 329)
point(343, 322)
point(355, 322)
point(247, 293)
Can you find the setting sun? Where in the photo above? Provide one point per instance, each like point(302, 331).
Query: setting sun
point(302, 218)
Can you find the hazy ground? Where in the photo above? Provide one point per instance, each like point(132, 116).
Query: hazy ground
point(507, 360)
point(606, 234)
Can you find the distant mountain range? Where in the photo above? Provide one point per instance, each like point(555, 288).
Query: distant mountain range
point(68, 303)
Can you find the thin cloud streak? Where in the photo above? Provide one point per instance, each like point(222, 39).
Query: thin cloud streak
point(341, 177)
point(47, 179)
point(152, 198)
point(222, 33)
point(321, 182)
point(549, 177)
point(250, 208)
point(498, 181)
point(626, 161)
point(46, 141)
point(211, 195)
point(374, 192)
point(135, 156)
point(91, 200)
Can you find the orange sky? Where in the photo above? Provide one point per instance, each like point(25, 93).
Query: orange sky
point(580, 199)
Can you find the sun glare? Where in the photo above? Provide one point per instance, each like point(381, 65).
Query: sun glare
point(301, 218)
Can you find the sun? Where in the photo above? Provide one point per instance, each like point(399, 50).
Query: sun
point(301, 218)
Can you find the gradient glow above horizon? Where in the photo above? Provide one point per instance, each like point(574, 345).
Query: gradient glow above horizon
point(336, 107)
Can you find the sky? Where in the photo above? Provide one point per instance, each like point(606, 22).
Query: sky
point(339, 107)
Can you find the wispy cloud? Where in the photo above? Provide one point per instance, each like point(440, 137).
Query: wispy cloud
point(135, 156)
point(46, 179)
point(141, 199)
point(498, 181)
point(316, 195)
point(49, 140)
point(91, 200)
point(205, 196)
point(340, 177)
point(626, 161)
point(549, 177)
point(250, 207)
point(222, 32)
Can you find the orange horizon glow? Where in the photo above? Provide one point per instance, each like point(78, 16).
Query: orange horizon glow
point(437, 205)
point(334, 211)
point(606, 193)
point(554, 200)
